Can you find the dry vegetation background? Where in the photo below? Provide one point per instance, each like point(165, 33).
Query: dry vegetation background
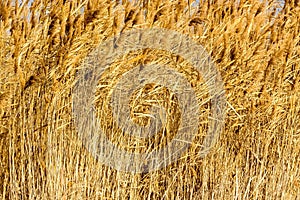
point(256, 51)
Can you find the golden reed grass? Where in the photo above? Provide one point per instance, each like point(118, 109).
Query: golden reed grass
point(255, 48)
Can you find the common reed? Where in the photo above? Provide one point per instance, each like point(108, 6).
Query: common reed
point(256, 49)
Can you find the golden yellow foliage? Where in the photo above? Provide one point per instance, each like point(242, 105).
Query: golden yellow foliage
point(255, 48)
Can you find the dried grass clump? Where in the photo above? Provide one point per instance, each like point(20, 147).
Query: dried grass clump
point(255, 48)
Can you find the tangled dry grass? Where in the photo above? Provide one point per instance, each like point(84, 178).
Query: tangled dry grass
point(255, 48)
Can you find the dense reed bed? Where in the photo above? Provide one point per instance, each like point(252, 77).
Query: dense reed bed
point(255, 47)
